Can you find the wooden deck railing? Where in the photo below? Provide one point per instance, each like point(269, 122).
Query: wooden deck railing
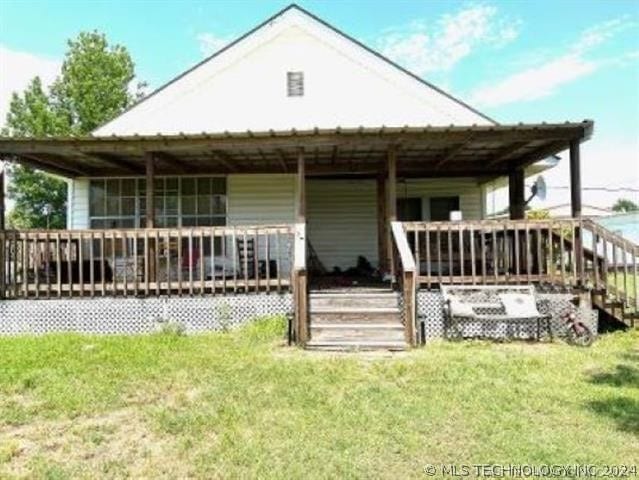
point(406, 275)
point(570, 253)
point(144, 262)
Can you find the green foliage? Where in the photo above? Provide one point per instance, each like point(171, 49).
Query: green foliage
point(94, 84)
point(625, 205)
point(40, 199)
point(93, 88)
point(538, 214)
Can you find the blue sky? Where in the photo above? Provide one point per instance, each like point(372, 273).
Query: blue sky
point(514, 60)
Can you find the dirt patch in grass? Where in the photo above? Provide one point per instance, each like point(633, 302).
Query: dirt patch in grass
point(117, 443)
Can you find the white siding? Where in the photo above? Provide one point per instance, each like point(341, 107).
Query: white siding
point(342, 214)
point(261, 199)
point(252, 199)
point(244, 87)
point(342, 221)
point(78, 204)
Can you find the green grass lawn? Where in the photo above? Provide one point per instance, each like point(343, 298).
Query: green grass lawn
point(242, 405)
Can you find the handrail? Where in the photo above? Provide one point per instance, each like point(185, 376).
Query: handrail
point(407, 279)
point(569, 253)
point(405, 255)
point(145, 262)
point(120, 232)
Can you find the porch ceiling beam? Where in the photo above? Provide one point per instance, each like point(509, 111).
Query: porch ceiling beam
point(281, 159)
point(454, 151)
point(174, 161)
point(506, 152)
point(223, 159)
point(335, 154)
point(53, 166)
point(540, 153)
point(114, 161)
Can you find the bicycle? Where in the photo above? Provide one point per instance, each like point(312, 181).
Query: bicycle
point(577, 332)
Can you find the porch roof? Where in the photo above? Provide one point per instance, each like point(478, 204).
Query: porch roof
point(433, 151)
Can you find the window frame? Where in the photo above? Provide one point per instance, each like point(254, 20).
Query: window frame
point(163, 219)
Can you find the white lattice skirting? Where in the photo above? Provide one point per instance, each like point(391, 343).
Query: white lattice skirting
point(137, 315)
point(430, 305)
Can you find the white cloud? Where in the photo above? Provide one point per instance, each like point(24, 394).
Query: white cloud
point(548, 76)
point(16, 71)
point(211, 43)
point(534, 83)
point(424, 48)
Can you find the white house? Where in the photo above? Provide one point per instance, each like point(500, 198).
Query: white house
point(294, 123)
point(248, 85)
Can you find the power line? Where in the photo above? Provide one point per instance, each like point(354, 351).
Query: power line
point(603, 189)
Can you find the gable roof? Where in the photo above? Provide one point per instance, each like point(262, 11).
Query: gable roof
point(307, 16)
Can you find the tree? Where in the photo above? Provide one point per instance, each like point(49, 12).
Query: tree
point(625, 205)
point(40, 199)
point(92, 88)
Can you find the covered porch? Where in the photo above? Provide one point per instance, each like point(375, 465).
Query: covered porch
point(273, 257)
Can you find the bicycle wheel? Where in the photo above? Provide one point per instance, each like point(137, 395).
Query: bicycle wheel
point(580, 335)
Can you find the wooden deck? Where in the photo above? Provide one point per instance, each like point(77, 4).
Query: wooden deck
point(145, 262)
point(574, 255)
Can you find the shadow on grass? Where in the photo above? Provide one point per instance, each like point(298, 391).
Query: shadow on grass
point(624, 411)
point(622, 376)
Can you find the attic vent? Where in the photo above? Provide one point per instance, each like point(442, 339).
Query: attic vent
point(295, 84)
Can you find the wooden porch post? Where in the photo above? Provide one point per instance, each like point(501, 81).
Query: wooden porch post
point(575, 179)
point(575, 207)
point(151, 247)
point(301, 187)
point(516, 194)
point(383, 232)
point(150, 181)
point(300, 274)
point(2, 197)
point(2, 235)
point(391, 204)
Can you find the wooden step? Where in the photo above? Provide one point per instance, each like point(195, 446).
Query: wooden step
point(355, 320)
point(352, 300)
point(380, 315)
point(350, 346)
point(360, 332)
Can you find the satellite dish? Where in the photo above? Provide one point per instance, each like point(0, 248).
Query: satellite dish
point(538, 189)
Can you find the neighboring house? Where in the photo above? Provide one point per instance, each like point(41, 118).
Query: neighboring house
point(294, 132)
